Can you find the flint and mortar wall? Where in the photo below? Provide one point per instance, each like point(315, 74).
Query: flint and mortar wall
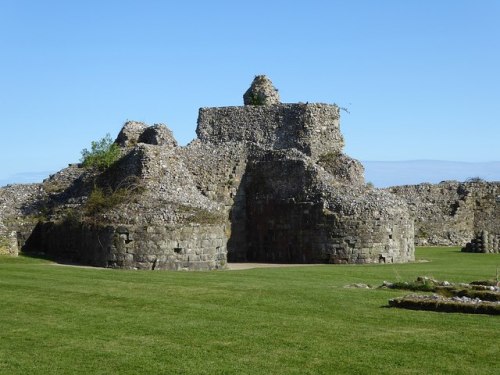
point(20, 209)
point(219, 172)
point(368, 237)
point(451, 212)
point(310, 128)
point(304, 232)
point(8, 242)
point(486, 198)
point(164, 222)
point(292, 220)
point(173, 247)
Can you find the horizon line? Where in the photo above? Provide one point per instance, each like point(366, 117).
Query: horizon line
point(430, 160)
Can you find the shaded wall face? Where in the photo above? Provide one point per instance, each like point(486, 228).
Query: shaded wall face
point(303, 232)
point(281, 220)
point(72, 242)
point(284, 232)
point(237, 243)
point(193, 247)
point(287, 221)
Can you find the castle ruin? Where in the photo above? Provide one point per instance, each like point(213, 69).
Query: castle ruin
point(263, 182)
point(452, 213)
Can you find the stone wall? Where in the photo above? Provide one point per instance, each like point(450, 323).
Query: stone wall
point(167, 247)
point(453, 213)
point(8, 241)
point(21, 206)
point(294, 217)
point(344, 168)
point(219, 174)
point(311, 128)
point(160, 219)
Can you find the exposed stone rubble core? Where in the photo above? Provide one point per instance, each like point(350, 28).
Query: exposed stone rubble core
point(20, 207)
point(159, 135)
point(161, 222)
point(261, 92)
point(8, 241)
point(266, 183)
point(453, 213)
point(130, 133)
point(313, 129)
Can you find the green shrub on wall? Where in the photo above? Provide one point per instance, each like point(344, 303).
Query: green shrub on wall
point(256, 99)
point(101, 199)
point(102, 154)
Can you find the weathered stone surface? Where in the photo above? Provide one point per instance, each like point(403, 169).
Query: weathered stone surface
point(167, 247)
point(159, 135)
point(344, 168)
point(160, 221)
point(21, 207)
point(313, 129)
point(130, 133)
point(261, 92)
point(8, 241)
point(298, 213)
point(455, 213)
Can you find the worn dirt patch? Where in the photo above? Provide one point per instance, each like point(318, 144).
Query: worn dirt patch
point(248, 266)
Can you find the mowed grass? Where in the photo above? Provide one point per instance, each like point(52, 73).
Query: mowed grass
point(299, 320)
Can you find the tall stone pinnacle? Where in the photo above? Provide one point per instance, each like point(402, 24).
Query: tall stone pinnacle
point(261, 92)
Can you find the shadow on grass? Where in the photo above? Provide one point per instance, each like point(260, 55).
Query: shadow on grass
point(36, 255)
point(62, 262)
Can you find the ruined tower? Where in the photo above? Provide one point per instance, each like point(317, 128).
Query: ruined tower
point(265, 182)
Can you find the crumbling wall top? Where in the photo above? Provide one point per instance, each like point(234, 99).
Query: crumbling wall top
point(313, 129)
point(158, 135)
point(134, 132)
point(130, 133)
point(261, 92)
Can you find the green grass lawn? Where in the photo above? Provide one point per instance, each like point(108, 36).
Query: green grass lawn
point(297, 320)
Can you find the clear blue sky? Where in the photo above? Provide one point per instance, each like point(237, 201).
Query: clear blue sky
point(421, 78)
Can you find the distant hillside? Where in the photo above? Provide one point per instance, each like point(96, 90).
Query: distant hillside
point(392, 173)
